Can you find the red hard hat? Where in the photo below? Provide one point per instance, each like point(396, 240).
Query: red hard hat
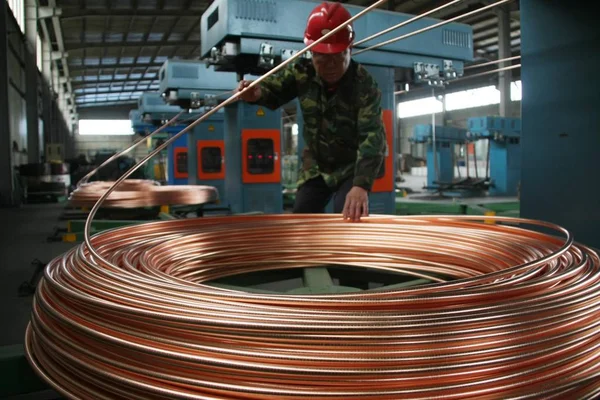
point(323, 19)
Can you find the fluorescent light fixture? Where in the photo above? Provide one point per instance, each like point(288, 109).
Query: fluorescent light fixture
point(105, 127)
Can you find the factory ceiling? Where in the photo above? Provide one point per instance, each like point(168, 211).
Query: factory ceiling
point(110, 51)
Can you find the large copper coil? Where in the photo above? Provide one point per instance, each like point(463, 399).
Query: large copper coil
point(513, 312)
point(141, 193)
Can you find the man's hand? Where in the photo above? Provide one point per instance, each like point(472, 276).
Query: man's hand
point(357, 204)
point(250, 95)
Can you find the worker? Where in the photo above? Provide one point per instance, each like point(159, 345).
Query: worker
point(341, 107)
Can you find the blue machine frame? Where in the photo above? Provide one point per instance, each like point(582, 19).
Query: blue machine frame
point(252, 36)
point(155, 111)
point(193, 85)
point(504, 135)
point(139, 127)
point(263, 32)
point(253, 133)
point(445, 139)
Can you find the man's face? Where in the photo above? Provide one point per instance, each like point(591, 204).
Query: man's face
point(331, 67)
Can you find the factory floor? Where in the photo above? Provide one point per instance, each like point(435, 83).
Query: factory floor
point(24, 239)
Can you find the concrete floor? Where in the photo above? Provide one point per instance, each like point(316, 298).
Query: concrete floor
point(22, 240)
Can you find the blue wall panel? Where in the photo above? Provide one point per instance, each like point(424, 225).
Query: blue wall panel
point(561, 123)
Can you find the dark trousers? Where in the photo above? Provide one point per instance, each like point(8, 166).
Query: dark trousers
point(314, 195)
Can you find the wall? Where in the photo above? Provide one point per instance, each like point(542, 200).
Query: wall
point(13, 88)
point(17, 118)
point(561, 123)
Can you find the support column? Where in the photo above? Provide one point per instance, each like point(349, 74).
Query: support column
point(560, 140)
point(31, 89)
point(47, 91)
point(504, 51)
point(6, 169)
point(47, 61)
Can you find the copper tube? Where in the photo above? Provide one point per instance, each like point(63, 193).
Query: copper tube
point(141, 193)
point(407, 22)
point(514, 312)
point(427, 28)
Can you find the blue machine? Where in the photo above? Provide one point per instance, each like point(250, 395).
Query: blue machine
point(155, 112)
point(445, 139)
point(253, 143)
point(194, 85)
point(504, 135)
point(139, 127)
point(252, 36)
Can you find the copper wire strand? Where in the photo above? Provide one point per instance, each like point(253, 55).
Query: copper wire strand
point(510, 311)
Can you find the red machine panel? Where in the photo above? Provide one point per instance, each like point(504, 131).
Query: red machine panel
point(386, 182)
point(211, 154)
point(260, 156)
point(180, 167)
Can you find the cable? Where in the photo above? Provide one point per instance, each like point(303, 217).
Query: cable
point(486, 73)
point(511, 312)
point(492, 62)
point(428, 28)
point(411, 20)
point(467, 77)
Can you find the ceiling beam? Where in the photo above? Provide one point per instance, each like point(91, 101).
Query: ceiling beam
point(102, 45)
point(102, 103)
point(112, 92)
point(130, 12)
point(133, 82)
point(111, 67)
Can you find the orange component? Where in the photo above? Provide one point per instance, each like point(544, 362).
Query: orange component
point(471, 148)
point(386, 182)
point(263, 143)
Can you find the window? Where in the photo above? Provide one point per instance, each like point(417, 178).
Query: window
point(105, 127)
point(515, 91)
point(478, 97)
point(424, 106)
point(472, 98)
point(39, 51)
point(18, 9)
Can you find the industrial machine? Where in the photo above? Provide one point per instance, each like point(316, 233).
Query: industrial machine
point(139, 126)
point(247, 136)
point(441, 142)
point(195, 85)
point(156, 112)
point(504, 138)
point(252, 36)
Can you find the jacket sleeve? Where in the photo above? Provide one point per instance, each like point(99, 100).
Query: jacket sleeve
point(279, 88)
point(372, 143)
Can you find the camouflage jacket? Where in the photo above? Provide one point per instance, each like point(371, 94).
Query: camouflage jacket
point(343, 131)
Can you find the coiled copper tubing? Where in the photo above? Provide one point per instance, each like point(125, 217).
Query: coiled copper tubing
point(510, 313)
